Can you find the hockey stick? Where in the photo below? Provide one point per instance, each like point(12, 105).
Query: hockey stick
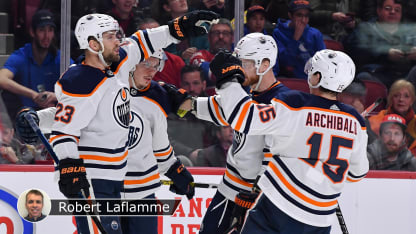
point(341, 220)
point(371, 107)
point(48, 147)
point(195, 184)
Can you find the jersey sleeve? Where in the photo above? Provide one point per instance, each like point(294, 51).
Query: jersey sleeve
point(359, 164)
point(162, 149)
point(209, 109)
point(73, 114)
point(143, 43)
point(46, 119)
point(246, 116)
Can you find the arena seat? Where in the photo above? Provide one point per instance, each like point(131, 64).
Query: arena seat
point(334, 45)
point(375, 90)
point(295, 83)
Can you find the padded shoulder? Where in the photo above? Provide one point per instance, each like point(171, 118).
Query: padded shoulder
point(266, 96)
point(158, 94)
point(81, 79)
point(297, 99)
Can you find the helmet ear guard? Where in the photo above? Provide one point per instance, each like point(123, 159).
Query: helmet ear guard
point(336, 68)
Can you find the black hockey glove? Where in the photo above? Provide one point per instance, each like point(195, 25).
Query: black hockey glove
point(176, 98)
point(190, 25)
point(182, 180)
point(73, 178)
point(23, 129)
point(243, 202)
point(226, 67)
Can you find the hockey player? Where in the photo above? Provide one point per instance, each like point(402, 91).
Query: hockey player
point(150, 152)
point(317, 143)
point(244, 159)
point(91, 126)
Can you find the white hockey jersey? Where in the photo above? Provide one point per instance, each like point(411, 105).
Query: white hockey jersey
point(317, 145)
point(246, 156)
point(93, 110)
point(150, 152)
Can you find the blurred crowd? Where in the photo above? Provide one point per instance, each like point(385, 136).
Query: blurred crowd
point(380, 36)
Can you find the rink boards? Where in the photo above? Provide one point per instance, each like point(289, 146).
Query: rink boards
point(384, 202)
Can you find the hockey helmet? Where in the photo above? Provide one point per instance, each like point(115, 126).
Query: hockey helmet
point(160, 54)
point(94, 25)
point(257, 46)
point(336, 68)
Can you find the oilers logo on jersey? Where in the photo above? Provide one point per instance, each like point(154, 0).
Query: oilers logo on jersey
point(238, 141)
point(135, 130)
point(121, 108)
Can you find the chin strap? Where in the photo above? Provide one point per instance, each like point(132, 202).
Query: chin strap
point(258, 83)
point(132, 81)
point(100, 54)
point(260, 77)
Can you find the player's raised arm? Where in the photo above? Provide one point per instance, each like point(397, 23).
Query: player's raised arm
point(238, 107)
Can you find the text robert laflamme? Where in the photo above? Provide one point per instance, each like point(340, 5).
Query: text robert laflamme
point(145, 207)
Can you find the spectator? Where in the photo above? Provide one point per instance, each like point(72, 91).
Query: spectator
point(171, 72)
point(256, 20)
point(189, 135)
point(126, 15)
point(11, 150)
point(8, 155)
point(275, 9)
point(390, 151)
point(354, 95)
point(220, 36)
point(171, 9)
point(29, 74)
point(296, 41)
point(335, 19)
point(384, 50)
point(216, 6)
point(369, 10)
point(193, 81)
point(399, 101)
point(216, 155)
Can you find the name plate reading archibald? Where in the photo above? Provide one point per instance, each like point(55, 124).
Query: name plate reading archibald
point(114, 207)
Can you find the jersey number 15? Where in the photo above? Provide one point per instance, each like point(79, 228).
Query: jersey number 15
point(341, 165)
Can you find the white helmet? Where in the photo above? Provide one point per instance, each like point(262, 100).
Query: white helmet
point(160, 54)
point(94, 25)
point(257, 46)
point(336, 68)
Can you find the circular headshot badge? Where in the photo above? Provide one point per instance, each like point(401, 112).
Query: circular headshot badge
point(34, 205)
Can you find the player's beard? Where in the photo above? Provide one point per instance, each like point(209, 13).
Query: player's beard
point(112, 58)
point(251, 80)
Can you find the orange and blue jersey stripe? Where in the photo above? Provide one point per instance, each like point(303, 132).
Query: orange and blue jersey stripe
point(297, 193)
